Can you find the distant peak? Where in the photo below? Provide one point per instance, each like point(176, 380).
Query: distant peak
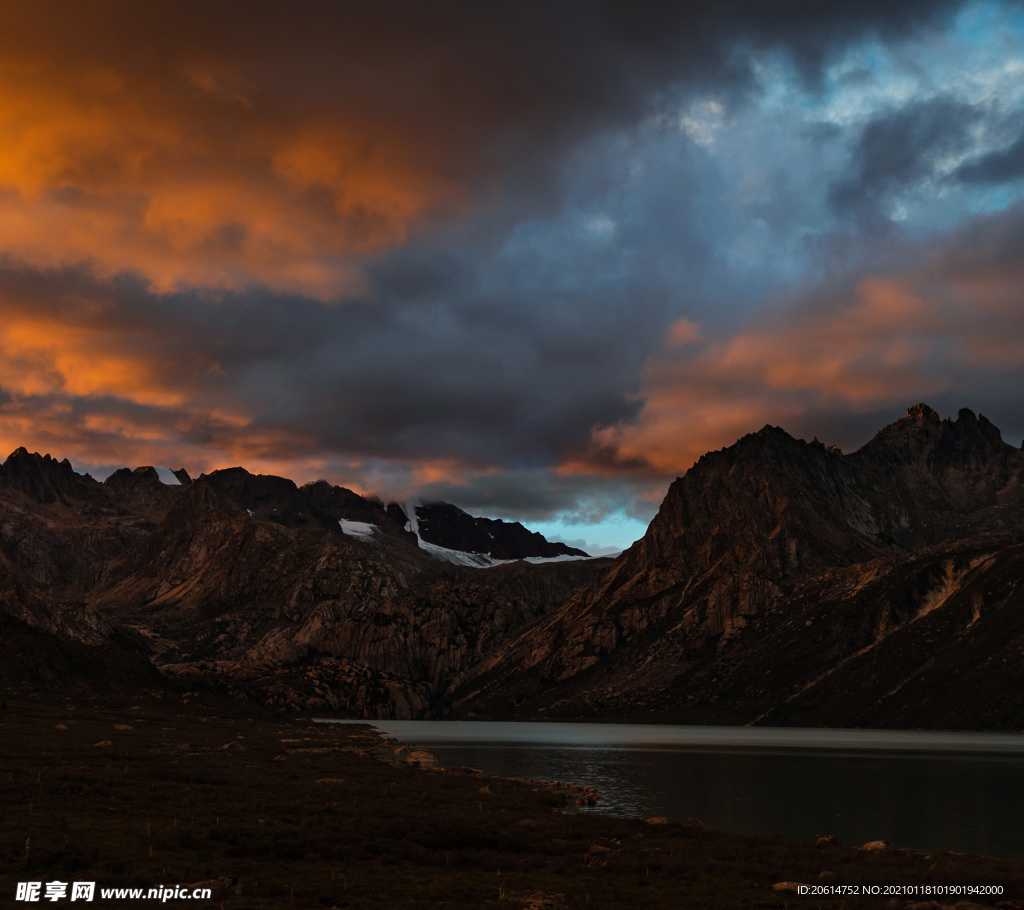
point(127, 480)
point(923, 413)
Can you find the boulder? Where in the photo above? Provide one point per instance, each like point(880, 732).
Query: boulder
point(422, 757)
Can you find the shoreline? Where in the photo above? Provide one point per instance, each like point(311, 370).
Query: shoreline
point(148, 791)
point(754, 729)
point(646, 771)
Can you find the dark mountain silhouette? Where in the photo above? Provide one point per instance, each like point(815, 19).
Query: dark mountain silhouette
point(250, 584)
point(780, 582)
point(784, 582)
point(448, 526)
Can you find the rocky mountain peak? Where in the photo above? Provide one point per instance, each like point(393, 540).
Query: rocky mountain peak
point(923, 414)
point(266, 497)
point(446, 525)
point(769, 504)
point(780, 577)
point(124, 477)
point(201, 500)
point(44, 478)
point(962, 456)
point(142, 484)
point(985, 428)
point(771, 508)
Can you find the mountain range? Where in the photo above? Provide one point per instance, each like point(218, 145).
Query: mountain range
point(781, 582)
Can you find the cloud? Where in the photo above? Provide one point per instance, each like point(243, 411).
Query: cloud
point(900, 150)
point(507, 207)
point(838, 358)
point(383, 397)
point(1002, 166)
point(229, 146)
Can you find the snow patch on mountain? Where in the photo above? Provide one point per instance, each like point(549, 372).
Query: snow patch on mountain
point(462, 557)
point(565, 557)
point(459, 557)
point(484, 560)
point(361, 529)
point(409, 507)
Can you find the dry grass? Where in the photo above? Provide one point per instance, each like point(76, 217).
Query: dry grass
point(165, 803)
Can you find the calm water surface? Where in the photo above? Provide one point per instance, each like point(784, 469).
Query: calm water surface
point(930, 791)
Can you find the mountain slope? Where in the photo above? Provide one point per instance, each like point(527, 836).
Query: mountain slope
point(297, 596)
point(781, 582)
point(445, 525)
point(785, 582)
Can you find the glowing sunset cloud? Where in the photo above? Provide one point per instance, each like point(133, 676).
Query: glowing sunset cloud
point(531, 258)
point(195, 188)
point(892, 338)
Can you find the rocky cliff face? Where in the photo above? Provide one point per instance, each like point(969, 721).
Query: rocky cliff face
point(784, 581)
point(780, 582)
point(251, 584)
point(57, 530)
point(222, 594)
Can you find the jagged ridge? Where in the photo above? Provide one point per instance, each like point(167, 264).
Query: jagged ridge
point(777, 568)
point(249, 583)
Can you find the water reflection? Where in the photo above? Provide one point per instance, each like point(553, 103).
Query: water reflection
point(923, 790)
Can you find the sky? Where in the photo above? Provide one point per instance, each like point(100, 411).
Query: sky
point(530, 258)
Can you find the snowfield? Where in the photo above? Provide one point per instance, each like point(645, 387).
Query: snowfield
point(365, 531)
point(361, 529)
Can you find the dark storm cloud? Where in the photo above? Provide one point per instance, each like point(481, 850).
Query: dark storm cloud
point(900, 150)
point(534, 495)
point(1002, 166)
point(942, 323)
point(431, 378)
point(474, 87)
point(188, 184)
point(986, 257)
point(277, 145)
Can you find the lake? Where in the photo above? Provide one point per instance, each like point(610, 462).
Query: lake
point(928, 791)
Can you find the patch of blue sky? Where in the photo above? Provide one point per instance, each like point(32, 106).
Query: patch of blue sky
point(995, 199)
point(606, 537)
point(977, 24)
point(978, 60)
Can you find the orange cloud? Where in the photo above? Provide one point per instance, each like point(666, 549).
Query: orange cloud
point(42, 356)
point(895, 339)
point(82, 380)
point(191, 174)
